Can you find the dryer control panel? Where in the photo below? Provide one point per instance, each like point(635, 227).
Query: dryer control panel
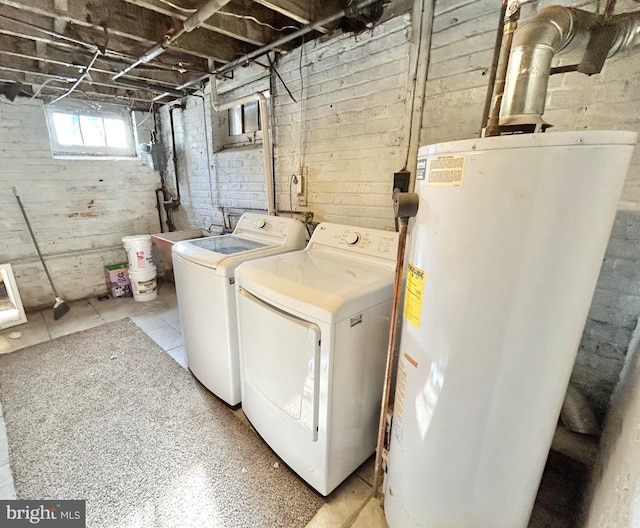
point(356, 240)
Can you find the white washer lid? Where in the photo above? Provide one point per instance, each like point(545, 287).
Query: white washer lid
point(317, 285)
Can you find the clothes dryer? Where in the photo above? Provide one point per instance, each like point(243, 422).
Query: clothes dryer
point(313, 330)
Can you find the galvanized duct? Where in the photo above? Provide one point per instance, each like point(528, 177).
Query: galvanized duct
point(557, 30)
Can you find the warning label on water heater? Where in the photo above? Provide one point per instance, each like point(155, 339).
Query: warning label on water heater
point(413, 295)
point(446, 170)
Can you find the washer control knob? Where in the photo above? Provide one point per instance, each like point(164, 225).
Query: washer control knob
point(353, 239)
point(261, 223)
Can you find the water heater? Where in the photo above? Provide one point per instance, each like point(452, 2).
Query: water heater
point(503, 260)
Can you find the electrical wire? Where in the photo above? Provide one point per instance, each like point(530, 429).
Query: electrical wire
point(37, 93)
point(82, 77)
point(226, 13)
point(254, 19)
point(179, 8)
point(148, 114)
point(292, 180)
point(300, 158)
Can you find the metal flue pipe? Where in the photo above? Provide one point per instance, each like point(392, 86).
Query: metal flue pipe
point(553, 31)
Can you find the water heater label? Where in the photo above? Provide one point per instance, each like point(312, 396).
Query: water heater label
point(446, 170)
point(413, 295)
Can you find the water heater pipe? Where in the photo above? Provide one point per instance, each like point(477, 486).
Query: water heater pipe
point(266, 136)
point(510, 24)
point(556, 30)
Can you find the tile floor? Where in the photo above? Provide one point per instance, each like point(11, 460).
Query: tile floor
point(350, 505)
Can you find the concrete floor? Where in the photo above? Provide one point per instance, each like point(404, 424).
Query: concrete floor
point(350, 505)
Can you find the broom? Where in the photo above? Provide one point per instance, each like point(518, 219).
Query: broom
point(60, 307)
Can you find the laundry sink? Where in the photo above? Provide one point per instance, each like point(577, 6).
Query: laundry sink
point(164, 241)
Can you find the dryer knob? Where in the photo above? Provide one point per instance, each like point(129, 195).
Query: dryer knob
point(353, 239)
point(261, 223)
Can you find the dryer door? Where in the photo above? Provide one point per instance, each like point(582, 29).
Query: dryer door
point(281, 356)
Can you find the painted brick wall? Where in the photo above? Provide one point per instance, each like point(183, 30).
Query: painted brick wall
point(463, 36)
point(211, 178)
point(79, 209)
point(348, 126)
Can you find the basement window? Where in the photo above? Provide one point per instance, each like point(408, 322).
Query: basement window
point(80, 131)
point(244, 126)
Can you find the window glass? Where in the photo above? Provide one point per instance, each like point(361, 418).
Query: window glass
point(116, 133)
point(67, 129)
point(92, 131)
point(80, 130)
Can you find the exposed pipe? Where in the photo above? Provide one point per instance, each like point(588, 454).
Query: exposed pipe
point(576, 414)
point(386, 389)
point(426, 10)
point(511, 17)
point(554, 30)
point(191, 23)
point(266, 136)
point(80, 79)
point(175, 157)
point(316, 26)
point(494, 65)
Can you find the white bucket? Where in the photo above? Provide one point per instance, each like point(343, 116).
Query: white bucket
point(144, 284)
point(138, 248)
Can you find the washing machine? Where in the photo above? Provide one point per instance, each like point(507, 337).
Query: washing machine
point(313, 329)
point(204, 276)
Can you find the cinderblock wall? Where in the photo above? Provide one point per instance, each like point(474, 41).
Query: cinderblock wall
point(462, 42)
point(79, 209)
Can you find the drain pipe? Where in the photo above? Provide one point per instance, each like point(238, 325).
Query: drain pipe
point(557, 30)
point(266, 136)
point(191, 23)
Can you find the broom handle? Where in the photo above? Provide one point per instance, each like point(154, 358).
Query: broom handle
point(35, 242)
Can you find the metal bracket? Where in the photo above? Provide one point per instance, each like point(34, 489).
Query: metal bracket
point(600, 43)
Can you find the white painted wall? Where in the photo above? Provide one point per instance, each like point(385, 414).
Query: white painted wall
point(79, 209)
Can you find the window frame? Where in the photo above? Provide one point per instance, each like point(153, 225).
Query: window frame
point(80, 108)
point(246, 137)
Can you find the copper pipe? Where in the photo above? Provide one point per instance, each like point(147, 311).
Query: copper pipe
point(397, 286)
point(494, 66)
point(510, 26)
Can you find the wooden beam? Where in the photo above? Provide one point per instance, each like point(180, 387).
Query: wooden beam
point(135, 23)
point(118, 96)
point(15, 48)
point(245, 30)
point(96, 79)
point(168, 62)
